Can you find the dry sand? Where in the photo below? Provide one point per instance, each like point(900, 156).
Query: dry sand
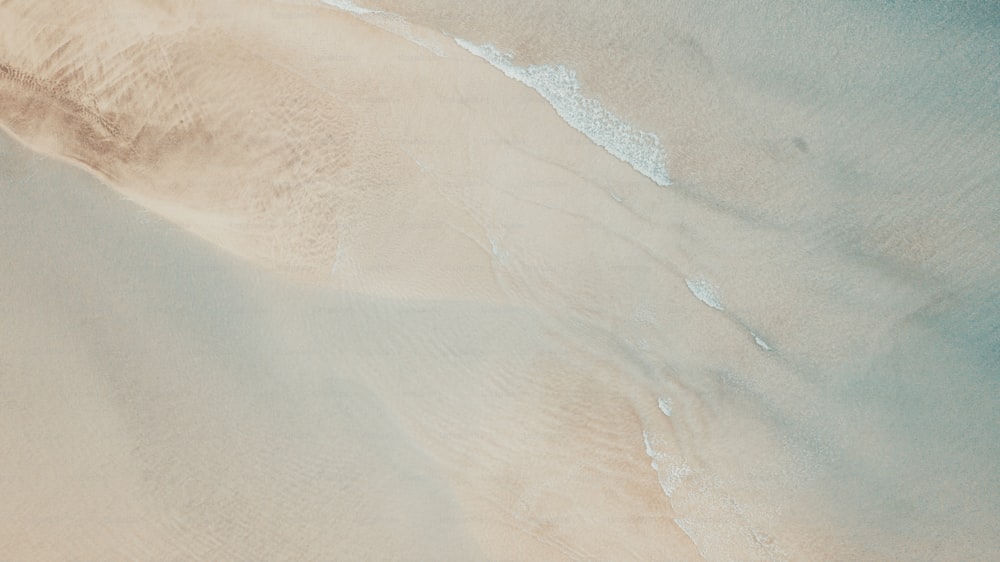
point(170, 402)
point(432, 320)
point(164, 401)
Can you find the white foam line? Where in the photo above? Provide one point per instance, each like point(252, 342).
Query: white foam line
point(649, 448)
point(350, 7)
point(675, 475)
point(666, 406)
point(705, 292)
point(671, 475)
point(763, 344)
point(559, 86)
point(687, 527)
point(393, 23)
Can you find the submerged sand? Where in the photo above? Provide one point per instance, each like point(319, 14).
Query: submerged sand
point(433, 321)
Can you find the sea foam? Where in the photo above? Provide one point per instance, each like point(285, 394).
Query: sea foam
point(349, 7)
point(761, 343)
point(559, 86)
point(671, 470)
point(705, 292)
point(666, 406)
point(388, 21)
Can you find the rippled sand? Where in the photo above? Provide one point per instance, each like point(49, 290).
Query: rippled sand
point(341, 288)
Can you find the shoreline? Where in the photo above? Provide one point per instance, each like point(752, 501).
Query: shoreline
point(427, 295)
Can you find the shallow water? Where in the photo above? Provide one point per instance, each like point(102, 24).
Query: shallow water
point(853, 155)
point(768, 328)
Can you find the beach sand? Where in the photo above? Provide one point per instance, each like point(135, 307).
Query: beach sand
point(164, 400)
point(289, 281)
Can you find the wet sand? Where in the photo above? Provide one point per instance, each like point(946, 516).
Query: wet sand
point(164, 400)
point(287, 281)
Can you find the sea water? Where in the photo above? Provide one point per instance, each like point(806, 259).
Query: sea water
point(845, 163)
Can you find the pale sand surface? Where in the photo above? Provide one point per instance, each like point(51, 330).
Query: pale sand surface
point(435, 322)
point(163, 401)
point(157, 403)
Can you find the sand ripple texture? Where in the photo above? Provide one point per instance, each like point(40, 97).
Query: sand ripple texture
point(435, 321)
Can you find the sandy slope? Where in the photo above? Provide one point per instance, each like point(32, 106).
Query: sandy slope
point(150, 411)
point(162, 400)
point(501, 354)
point(178, 405)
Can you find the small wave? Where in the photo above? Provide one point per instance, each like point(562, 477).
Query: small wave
point(393, 23)
point(671, 470)
point(687, 527)
point(349, 7)
point(705, 292)
point(761, 343)
point(666, 406)
point(559, 86)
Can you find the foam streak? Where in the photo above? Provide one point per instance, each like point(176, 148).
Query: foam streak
point(561, 88)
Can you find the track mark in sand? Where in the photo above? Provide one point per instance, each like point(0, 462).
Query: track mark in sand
point(59, 93)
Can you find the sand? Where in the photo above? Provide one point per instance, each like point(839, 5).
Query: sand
point(163, 400)
point(225, 420)
point(291, 282)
